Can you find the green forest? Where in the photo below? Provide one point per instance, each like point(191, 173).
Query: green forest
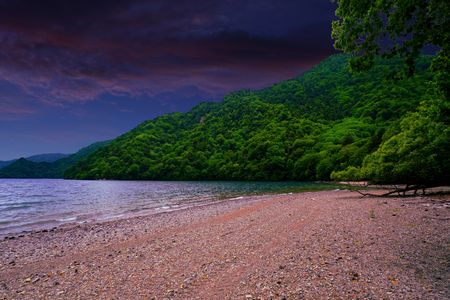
point(327, 124)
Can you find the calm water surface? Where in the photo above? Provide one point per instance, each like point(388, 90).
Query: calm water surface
point(29, 204)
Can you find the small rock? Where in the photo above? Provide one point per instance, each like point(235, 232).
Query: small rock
point(354, 276)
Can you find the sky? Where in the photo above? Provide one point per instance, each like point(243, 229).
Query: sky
point(76, 72)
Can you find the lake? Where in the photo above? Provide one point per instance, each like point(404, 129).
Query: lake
point(32, 204)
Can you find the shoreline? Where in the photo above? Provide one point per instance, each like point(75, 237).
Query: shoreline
point(311, 244)
point(47, 219)
point(52, 225)
point(154, 212)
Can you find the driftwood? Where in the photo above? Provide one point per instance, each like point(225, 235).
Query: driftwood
point(400, 190)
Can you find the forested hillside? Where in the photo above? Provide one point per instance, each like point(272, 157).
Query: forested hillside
point(327, 123)
point(46, 165)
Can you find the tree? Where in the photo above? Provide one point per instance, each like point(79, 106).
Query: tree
point(417, 155)
point(368, 28)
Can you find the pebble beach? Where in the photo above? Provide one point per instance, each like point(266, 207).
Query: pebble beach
point(312, 245)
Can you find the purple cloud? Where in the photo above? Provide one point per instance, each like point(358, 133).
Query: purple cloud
point(69, 52)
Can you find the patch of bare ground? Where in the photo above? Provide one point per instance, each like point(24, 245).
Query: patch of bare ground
point(317, 245)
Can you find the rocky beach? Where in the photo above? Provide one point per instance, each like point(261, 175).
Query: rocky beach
point(312, 245)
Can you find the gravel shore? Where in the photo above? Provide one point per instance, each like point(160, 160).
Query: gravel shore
point(315, 245)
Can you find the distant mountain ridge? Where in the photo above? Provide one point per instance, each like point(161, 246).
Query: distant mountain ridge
point(49, 165)
point(45, 157)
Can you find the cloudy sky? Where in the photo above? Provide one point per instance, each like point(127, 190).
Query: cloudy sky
point(76, 72)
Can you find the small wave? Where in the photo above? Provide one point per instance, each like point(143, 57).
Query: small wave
point(236, 198)
point(69, 219)
point(16, 207)
point(40, 196)
point(163, 207)
point(138, 209)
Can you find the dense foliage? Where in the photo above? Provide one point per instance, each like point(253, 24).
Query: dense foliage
point(391, 28)
point(46, 165)
point(327, 122)
point(418, 152)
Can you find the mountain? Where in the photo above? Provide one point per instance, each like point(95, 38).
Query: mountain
point(46, 165)
point(46, 157)
point(23, 168)
point(321, 125)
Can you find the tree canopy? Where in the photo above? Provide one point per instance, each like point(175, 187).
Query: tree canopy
point(391, 28)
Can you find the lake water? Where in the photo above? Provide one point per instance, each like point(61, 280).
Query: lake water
point(31, 204)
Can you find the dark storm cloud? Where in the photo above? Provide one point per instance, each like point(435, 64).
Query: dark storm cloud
point(62, 51)
point(75, 72)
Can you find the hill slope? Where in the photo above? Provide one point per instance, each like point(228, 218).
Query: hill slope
point(4, 163)
point(38, 166)
point(46, 157)
point(326, 121)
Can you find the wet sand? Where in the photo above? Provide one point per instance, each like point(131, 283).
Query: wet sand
point(316, 245)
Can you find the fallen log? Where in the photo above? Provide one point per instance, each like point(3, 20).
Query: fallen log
point(395, 189)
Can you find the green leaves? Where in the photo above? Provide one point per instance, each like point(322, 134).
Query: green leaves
point(367, 29)
point(418, 154)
